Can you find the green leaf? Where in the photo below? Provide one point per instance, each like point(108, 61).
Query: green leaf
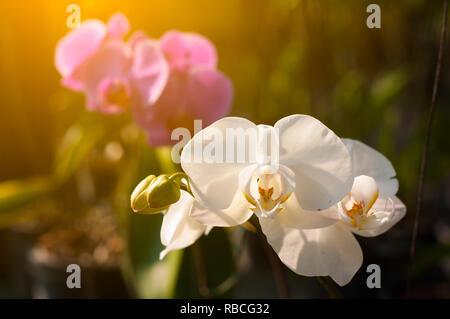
point(150, 277)
point(388, 87)
point(153, 278)
point(76, 145)
point(16, 194)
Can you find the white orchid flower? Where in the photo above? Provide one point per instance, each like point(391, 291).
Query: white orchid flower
point(287, 173)
point(369, 209)
point(178, 229)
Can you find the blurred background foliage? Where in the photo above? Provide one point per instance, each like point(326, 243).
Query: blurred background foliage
point(284, 57)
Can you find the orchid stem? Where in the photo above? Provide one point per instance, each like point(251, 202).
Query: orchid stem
point(184, 186)
point(275, 263)
point(277, 268)
point(329, 287)
point(425, 149)
point(202, 279)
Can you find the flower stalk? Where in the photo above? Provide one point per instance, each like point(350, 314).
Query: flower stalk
point(425, 148)
point(329, 287)
point(275, 263)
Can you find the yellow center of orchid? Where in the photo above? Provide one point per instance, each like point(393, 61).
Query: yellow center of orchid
point(118, 96)
point(266, 184)
point(357, 204)
point(267, 191)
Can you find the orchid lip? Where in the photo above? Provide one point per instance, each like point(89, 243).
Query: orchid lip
point(355, 208)
point(266, 188)
point(114, 92)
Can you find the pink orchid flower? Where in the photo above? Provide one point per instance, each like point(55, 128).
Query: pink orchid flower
point(94, 59)
point(167, 83)
point(195, 88)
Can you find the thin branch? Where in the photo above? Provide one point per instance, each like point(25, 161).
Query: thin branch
point(275, 263)
point(426, 147)
point(329, 287)
point(202, 279)
point(277, 268)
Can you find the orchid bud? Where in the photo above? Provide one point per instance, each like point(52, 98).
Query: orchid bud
point(139, 196)
point(162, 192)
point(156, 193)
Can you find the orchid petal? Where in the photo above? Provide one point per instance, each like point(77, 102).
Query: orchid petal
point(214, 181)
point(319, 159)
point(210, 94)
point(78, 45)
point(365, 191)
point(73, 83)
point(334, 212)
point(149, 71)
point(367, 161)
point(111, 60)
point(178, 230)
point(184, 50)
point(238, 213)
point(118, 26)
point(136, 37)
point(246, 180)
point(330, 251)
point(294, 216)
point(208, 230)
point(199, 94)
point(386, 214)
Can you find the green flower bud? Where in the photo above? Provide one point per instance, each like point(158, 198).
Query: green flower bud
point(162, 192)
point(139, 196)
point(156, 194)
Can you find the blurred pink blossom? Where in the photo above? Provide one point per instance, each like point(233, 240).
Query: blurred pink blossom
point(167, 83)
point(94, 59)
point(195, 90)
